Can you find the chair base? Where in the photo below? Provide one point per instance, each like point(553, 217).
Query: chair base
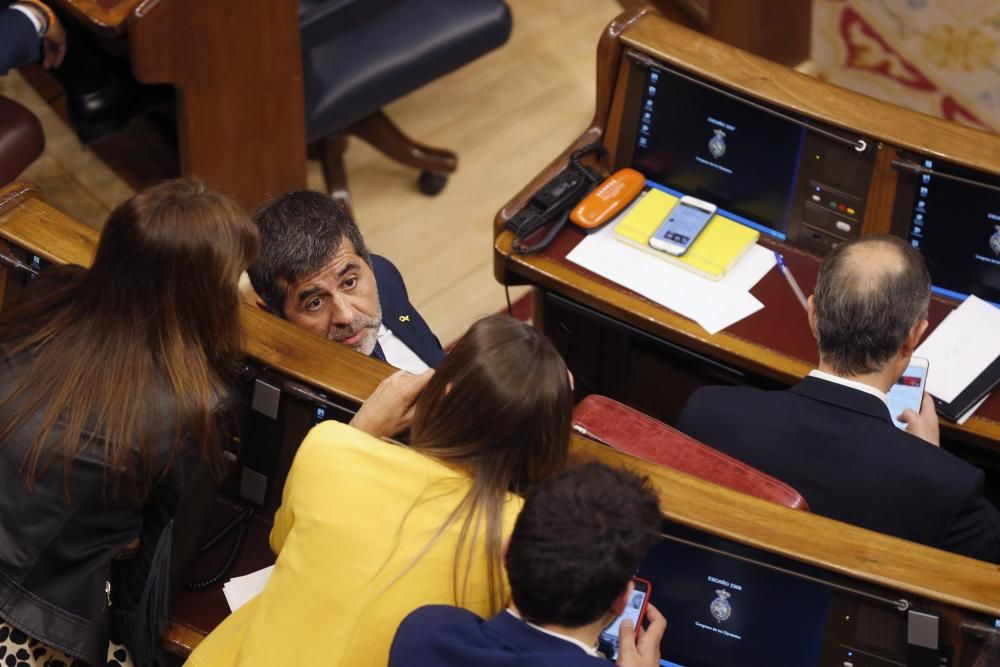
point(384, 136)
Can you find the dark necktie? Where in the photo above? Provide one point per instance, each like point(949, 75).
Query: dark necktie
point(377, 353)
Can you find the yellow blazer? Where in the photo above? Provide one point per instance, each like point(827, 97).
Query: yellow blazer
point(341, 540)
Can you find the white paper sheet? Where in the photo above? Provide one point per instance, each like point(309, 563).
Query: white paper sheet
point(240, 590)
point(961, 347)
point(714, 305)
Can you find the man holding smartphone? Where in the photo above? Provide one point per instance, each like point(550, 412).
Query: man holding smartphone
point(832, 436)
point(570, 561)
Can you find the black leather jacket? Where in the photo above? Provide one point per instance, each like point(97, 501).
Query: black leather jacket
point(56, 551)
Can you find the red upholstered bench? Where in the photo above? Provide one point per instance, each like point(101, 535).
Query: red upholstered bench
point(21, 139)
point(611, 423)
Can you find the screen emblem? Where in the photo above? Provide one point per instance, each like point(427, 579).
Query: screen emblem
point(720, 607)
point(717, 144)
point(995, 241)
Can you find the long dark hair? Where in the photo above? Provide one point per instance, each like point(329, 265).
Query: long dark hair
point(156, 314)
point(500, 408)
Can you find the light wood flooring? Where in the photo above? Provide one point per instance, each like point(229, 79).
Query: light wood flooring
point(506, 115)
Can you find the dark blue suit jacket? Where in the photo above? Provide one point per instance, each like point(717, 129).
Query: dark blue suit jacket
point(838, 447)
point(19, 42)
point(399, 315)
point(440, 636)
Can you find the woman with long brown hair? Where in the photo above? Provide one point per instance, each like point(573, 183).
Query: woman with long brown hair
point(111, 379)
point(368, 530)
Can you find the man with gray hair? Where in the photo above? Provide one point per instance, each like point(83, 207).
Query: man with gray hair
point(832, 436)
point(315, 271)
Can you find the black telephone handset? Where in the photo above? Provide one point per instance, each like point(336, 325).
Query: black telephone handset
point(554, 201)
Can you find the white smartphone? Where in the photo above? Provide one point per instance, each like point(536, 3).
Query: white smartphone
point(682, 225)
point(908, 392)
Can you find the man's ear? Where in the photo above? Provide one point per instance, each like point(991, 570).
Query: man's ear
point(811, 315)
point(618, 606)
point(913, 340)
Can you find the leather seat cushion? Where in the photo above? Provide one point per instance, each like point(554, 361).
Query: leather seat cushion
point(398, 48)
point(612, 423)
point(21, 139)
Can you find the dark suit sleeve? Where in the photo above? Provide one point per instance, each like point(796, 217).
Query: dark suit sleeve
point(973, 529)
point(692, 418)
point(19, 42)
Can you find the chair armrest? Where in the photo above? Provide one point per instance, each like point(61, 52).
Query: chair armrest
point(319, 19)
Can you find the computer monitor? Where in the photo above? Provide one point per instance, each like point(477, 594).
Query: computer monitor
point(952, 215)
point(786, 175)
point(723, 610)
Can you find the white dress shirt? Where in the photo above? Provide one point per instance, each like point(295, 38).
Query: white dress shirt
point(591, 650)
point(853, 384)
point(398, 354)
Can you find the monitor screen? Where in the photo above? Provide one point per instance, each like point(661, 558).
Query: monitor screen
point(725, 611)
point(956, 226)
point(693, 140)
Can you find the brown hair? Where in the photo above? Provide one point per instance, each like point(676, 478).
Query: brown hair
point(156, 314)
point(500, 408)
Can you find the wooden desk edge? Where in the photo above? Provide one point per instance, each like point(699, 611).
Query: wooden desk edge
point(859, 553)
point(677, 45)
point(845, 549)
point(649, 316)
point(107, 22)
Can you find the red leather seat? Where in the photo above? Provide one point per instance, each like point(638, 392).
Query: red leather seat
point(21, 139)
point(611, 423)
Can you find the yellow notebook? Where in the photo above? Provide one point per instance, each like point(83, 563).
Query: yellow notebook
point(716, 249)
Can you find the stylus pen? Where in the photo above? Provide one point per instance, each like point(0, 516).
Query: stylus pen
point(791, 279)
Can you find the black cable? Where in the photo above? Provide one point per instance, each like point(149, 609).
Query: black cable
point(559, 209)
point(240, 524)
point(510, 308)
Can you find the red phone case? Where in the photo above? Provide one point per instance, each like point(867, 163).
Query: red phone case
point(645, 603)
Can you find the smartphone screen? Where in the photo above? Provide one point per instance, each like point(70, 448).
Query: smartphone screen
point(681, 227)
point(635, 610)
point(908, 392)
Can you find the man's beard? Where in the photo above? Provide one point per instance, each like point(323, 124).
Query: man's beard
point(367, 343)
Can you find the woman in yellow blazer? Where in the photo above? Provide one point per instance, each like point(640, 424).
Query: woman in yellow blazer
point(368, 531)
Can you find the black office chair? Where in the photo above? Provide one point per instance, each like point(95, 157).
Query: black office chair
point(359, 55)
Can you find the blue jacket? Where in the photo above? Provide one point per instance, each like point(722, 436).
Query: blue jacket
point(19, 42)
point(440, 636)
point(838, 447)
point(399, 315)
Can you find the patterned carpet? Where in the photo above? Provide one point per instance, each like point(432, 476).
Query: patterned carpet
point(941, 57)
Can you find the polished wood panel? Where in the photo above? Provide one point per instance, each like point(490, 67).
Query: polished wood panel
point(105, 16)
point(762, 79)
point(892, 127)
point(813, 539)
point(26, 221)
point(236, 66)
point(882, 194)
point(779, 30)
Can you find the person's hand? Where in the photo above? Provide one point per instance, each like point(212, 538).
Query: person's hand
point(389, 410)
point(924, 424)
point(646, 651)
point(53, 44)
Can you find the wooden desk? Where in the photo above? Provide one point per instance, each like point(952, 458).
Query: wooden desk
point(774, 345)
point(237, 69)
point(961, 590)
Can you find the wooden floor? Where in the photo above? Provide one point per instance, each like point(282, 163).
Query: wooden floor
point(506, 115)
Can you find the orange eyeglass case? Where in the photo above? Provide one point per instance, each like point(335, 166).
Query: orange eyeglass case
point(608, 199)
